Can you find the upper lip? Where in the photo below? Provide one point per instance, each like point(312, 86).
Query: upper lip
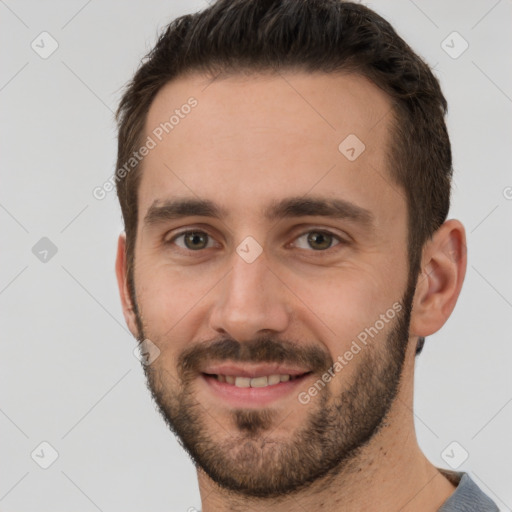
point(253, 370)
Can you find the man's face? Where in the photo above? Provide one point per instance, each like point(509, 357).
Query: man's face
point(254, 297)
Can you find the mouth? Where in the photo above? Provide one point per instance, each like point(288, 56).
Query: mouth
point(255, 382)
point(246, 386)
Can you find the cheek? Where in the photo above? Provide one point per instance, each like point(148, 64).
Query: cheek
point(347, 302)
point(168, 299)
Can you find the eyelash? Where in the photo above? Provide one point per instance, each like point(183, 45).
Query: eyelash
point(340, 240)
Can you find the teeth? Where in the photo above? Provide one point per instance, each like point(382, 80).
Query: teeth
point(255, 382)
point(259, 382)
point(273, 379)
point(243, 382)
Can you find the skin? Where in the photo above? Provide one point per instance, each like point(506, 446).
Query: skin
point(249, 141)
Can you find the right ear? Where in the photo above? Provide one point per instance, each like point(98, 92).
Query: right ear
point(122, 283)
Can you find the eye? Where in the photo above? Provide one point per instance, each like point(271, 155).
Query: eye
point(195, 240)
point(192, 240)
point(317, 240)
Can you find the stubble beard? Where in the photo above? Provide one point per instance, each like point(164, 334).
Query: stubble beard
point(246, 456)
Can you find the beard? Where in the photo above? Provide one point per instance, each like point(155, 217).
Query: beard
point(245, 457)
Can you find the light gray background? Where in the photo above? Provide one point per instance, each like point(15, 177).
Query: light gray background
point(68, 373)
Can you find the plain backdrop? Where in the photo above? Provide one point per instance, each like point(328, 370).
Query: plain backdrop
point(68, 374)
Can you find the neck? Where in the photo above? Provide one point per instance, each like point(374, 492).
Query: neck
point(390, 473)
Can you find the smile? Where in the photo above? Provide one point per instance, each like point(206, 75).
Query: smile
point(254, 382)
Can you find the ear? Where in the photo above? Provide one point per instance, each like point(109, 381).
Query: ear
point(443, 265)
point(122, 283)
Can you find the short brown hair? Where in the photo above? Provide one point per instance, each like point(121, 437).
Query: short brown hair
point(233, 36)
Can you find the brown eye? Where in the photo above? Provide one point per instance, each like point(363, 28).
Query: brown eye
point(317, 240)
point(192, 240)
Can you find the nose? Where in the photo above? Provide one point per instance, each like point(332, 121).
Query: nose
point(250, 301)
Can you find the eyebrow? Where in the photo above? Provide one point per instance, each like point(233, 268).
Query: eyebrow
point(300, 206)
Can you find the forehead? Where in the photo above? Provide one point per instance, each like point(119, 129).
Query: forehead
point(245, 140)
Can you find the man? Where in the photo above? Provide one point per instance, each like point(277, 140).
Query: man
point(284, 176)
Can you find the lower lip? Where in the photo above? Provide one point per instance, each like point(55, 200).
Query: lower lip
point(253, 397)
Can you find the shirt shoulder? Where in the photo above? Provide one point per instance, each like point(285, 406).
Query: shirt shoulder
point(467, 497)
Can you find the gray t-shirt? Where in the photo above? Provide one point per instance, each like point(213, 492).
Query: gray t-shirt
point(468, 497)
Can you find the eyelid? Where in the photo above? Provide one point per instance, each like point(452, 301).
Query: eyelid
point(342, 240)
point(185, 231)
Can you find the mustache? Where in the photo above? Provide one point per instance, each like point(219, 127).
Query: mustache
point(260, 350)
